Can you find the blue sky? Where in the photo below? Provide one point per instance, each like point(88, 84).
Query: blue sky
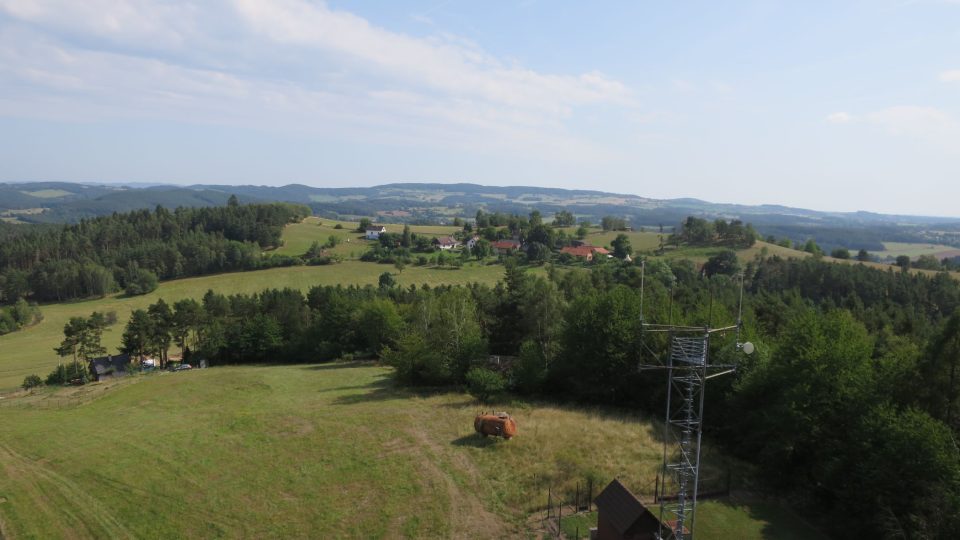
point(825, 105)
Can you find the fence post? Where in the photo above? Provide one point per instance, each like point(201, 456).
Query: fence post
point(590, 495)
point(549, 501)
point(656, 489)
point(559, 515)
point(576, 502)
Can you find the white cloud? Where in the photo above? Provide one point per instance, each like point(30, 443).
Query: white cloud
point(923, 123)
point(951, 75)
point(285, 64)
point(839, 118)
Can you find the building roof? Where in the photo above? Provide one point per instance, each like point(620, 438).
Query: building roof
point(506, 244)
point(578, 251)
point(600, 250)
point(378, 228)
point(110, 364)
point(620, 507)
point(447, 241)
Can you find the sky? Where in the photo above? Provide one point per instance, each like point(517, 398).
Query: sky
point(833, 105)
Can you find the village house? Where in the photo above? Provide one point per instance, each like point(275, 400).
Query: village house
point(374, 232)
point(107, 367)
point(472, 241)
point(585, 251)
point(504, 247)
point(446, 242)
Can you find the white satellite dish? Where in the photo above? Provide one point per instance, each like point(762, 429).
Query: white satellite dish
point(748, 348)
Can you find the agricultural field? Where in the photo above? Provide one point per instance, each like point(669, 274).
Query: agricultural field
point(298, 237)
point(896, 249)
point(48, 193)
point(330, 450)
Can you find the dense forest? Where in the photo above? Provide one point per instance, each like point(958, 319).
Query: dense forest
point(849, 407)
point(133, 250)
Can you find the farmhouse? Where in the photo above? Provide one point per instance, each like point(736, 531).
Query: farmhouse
point(374, 232)
point(446, 242)
point(621, 516)
point(472, 241)
point(107, 367)
point(506, 246)
point(585, 251)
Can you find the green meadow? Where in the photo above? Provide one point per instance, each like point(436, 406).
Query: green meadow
point(313, 451)
point(30, 350)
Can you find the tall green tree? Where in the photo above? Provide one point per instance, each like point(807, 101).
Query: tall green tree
point(621, 246)
point(161, 329)
point(137, 335)
point(941, 373)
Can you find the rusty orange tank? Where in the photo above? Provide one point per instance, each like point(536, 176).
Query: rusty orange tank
point(498, 424)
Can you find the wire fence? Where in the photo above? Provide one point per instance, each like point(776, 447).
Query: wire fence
point(45, 403)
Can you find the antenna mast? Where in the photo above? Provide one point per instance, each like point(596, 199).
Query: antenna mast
point(688, 369)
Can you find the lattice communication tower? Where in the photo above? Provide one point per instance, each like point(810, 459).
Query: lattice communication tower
point(688, 368)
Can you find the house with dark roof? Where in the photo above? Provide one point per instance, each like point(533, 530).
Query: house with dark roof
point(107, 367)
point(621, 515)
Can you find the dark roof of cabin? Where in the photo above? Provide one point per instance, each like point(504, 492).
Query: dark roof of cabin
point(619, 506)
point(103, 364)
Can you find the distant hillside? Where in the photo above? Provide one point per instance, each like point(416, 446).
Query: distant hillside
point(442, 203)
point(63, 202)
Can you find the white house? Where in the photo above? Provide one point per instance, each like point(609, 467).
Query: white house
point(446, 242)
point(472, 242)
point(374, 232)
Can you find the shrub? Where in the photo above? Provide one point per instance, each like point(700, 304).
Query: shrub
point(483, 383)
point(141, 281)
point(69, 372)
point(32, 381)
point(338, 226)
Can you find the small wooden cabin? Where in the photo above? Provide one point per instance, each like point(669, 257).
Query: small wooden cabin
point(621, 515)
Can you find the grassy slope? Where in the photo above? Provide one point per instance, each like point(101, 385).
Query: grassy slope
point(310, 451)
point(31, 350)
point(298, 237)
point(913, 250)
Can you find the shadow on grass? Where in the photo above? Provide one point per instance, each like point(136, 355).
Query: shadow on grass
point(380, 390)
point(343, 365)
point(475, 440)
point(779, 521)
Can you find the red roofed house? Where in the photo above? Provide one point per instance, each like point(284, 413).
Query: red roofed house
point(585, 252)
point(506, 246)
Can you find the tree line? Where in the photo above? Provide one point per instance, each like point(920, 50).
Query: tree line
point(97, 256)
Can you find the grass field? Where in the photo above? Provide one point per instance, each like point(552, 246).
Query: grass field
point(30, 351)
point(315, 451)
point(298, 237)
point(48, 193)
point(895, 249)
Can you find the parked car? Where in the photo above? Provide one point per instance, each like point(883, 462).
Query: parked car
point(183, 367)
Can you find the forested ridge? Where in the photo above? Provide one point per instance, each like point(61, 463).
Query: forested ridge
point(848, 409)
point(97, 256)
